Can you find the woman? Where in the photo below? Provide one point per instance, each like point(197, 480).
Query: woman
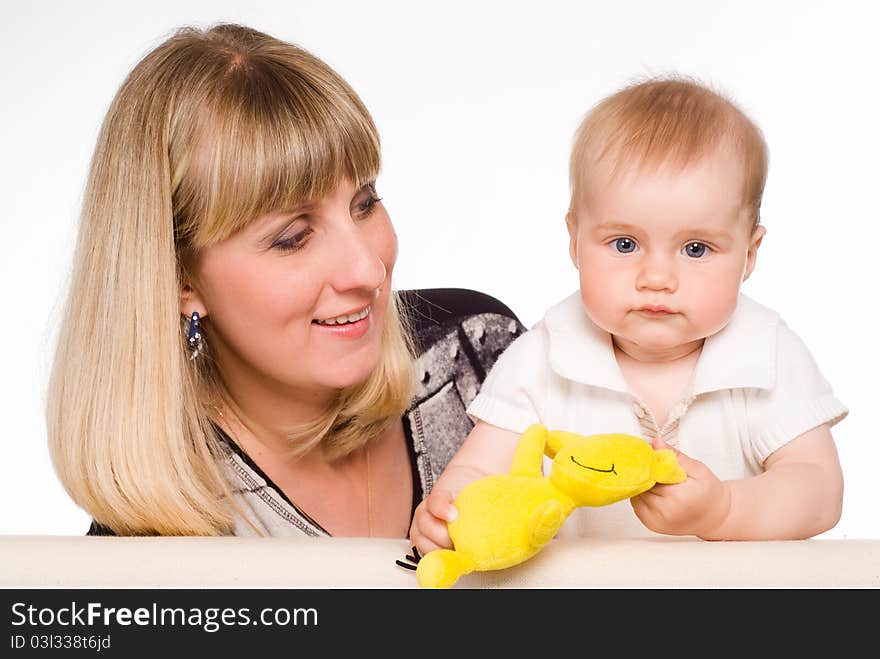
point(232, 359)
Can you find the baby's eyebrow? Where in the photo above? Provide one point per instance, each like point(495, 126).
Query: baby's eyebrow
point(702, 232)
point(616, 226)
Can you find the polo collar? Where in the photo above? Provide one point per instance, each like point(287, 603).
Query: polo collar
point(741, 355)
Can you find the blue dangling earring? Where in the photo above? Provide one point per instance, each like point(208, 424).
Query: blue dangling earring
point(194, 335)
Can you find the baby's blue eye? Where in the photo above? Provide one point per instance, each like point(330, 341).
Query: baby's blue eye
point(625, 245)
point(696, 250)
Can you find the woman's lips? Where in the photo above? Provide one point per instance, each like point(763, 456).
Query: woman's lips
point(352, 330)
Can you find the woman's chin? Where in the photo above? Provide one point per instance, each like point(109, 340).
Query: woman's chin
point(347, 373)
point(341, 363)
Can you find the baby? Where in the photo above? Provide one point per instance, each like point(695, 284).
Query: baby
point(666, 184)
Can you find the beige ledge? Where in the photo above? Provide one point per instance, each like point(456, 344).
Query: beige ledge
point(93, 562)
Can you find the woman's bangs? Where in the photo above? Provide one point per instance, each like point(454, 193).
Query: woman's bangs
point(277, 152)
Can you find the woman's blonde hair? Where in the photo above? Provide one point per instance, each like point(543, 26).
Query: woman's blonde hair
point(209, 130)
point(671, 119)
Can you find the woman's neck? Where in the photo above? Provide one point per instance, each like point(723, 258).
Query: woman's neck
point(259, 414)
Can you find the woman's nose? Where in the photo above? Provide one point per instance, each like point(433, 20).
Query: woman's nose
point(657, 273)
point(355, 262)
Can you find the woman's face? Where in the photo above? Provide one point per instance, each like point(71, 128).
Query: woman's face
point(297, 299)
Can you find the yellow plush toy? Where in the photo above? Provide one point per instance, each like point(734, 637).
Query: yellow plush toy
point(506, 519)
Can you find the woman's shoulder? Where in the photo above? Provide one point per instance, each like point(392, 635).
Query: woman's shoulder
point(458, 335)
point(439, 303)
point(431, 312)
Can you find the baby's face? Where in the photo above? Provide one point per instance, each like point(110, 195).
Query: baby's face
point(661, 253)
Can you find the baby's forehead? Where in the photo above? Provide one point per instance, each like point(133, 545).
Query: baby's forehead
point(665, 126)
point(708, 192)
point(616, 162)
point(722, 168)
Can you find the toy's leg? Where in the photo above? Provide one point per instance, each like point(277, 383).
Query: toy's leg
point(441, 568)
point(545, 523)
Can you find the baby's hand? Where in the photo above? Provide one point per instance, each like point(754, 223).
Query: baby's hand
point(428, 530)
point(698, 506)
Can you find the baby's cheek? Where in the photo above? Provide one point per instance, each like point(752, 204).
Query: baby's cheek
point(716, 308)
point(603, 300)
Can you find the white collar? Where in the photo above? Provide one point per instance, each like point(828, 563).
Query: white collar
point(741, 355)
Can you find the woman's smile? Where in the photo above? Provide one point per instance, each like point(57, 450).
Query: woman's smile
point(349, 326)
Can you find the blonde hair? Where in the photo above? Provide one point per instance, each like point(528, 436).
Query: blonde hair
point(210, 129)
point(673, 120)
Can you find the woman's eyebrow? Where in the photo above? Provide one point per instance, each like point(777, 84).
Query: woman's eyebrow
point(269, 230)
point(272, 221)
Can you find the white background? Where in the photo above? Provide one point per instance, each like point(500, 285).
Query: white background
point(476, 103)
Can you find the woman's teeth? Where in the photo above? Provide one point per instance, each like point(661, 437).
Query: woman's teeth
point(342, 320)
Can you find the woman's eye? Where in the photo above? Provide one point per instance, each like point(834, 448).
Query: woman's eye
point(625, 245)
point(696, 250)
point(293, 243)
point(366, 202)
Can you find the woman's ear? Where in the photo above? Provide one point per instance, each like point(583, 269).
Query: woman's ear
point(191, 301)
point(754, 244)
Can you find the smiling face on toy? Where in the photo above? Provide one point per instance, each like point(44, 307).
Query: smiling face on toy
point(597, 470)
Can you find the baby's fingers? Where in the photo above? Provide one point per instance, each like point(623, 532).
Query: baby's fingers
point(439, 504)
point(430, 533)
point(646, 511)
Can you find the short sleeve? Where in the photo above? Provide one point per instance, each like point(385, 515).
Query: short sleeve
point(800, 400)
point(512, 395)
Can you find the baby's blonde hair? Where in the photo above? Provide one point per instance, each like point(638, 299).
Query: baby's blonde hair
point(671, 119)
point(209, 130)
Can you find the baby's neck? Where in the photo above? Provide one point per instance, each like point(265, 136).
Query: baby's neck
point(634, 352)
point(658, 380)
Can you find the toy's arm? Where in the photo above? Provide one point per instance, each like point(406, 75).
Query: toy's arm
point(666, 468)
point(529, 456)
